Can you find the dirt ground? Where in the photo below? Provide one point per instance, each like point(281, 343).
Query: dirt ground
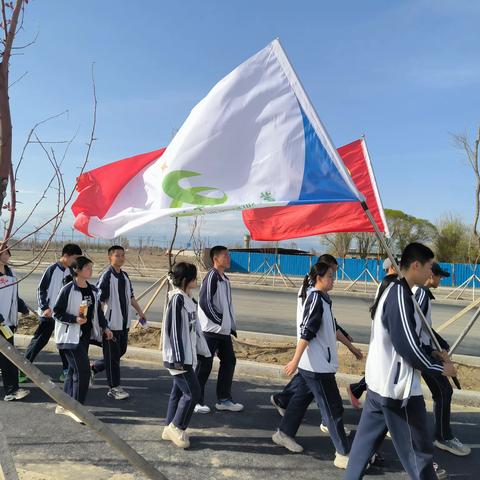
point(268, 352)
point(139, 262)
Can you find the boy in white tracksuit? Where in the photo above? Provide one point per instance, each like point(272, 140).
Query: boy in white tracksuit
point(118, 300)
point(53, 279)
point(439, 385)
point(395, 359)
point(217, 319)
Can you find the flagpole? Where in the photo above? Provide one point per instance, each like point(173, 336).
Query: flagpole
point(427, 326)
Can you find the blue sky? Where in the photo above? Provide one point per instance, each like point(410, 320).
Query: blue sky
point(405, 74)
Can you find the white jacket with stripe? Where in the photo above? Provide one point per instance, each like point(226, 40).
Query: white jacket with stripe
point(10, 303)
point(182, 336)
point(216, 309)
point(318, 327)
point(396, 352)
point(110, 298)
point(53, 279)
point(65, 312)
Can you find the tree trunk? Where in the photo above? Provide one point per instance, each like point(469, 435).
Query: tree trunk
point(5, 134)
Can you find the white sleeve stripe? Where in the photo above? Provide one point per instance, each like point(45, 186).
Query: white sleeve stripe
point(305, 319)
point(403, 316)
point(406, 328)
point(421, 297)
point(174, 327)
point(212, 311)
point(39, 300)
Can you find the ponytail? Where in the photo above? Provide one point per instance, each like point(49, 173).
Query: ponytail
point(320, 269)
point(387, 280)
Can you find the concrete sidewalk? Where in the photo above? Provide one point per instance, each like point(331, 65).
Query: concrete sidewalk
point(224, 445)
point(257, 370)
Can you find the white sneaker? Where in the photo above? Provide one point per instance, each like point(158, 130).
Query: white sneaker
point(92, 377)
point(388, 434)
point(441, 472)
point(178, 437)
point(280, 410)
point(341, 461)
point(324, 429)
point(229, 405)
point(17, 395)
point(59, 410)
point(201, 408)
point(284, 440)
point(454, 446)
point(118, 393)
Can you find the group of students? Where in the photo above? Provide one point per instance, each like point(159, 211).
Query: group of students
point(400, 352)
point(78, 313)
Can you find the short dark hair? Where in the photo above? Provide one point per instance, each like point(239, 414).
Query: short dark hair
point(216, 250)
point(115, 247)
point(79, 263)
point(182, 274)
point(71, 249)
point(415, 252)
point(327, 258)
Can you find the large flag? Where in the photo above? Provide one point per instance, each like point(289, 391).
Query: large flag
point(281, 223)
point(253, 141)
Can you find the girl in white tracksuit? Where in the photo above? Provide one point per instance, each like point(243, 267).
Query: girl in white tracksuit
point(316, 360)
point(183, 340)
point(78, 319)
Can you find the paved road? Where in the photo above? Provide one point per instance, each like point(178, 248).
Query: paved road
point(274, 312)
point(224, 445)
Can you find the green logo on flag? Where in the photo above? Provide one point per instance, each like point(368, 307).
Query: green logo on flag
point(190, 195)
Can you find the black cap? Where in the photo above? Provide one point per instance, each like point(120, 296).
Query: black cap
point(437, 270)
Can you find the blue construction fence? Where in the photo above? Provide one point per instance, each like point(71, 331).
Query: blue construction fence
point(349, 268)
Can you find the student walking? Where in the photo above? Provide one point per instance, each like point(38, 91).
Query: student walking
point(395, 359)
point(10, 305)
point(317, 362)
point(183, 340)
point(217, 320)
point(356, 390)
point(281, 399)
point(78, 319)
point(118, 300)
point(439, 385)
point(53, 279)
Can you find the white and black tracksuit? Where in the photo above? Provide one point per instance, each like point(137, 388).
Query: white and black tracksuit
point(283, 398)
point(182, 341)
point(10, 305)
point(317, 368)
point(74, 339)
point(360, 387)
point(52, 281)
point(217, 320)
point(116, 293)
point(439, 385)
point(394, 399)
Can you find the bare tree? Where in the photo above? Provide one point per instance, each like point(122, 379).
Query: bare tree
point(10, 26)
point(365, 242)
point(471, 150)
point(339, 243)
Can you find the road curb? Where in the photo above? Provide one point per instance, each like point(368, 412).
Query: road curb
point(248, 368)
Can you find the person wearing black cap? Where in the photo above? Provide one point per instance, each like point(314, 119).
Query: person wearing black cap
point(439, 385)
